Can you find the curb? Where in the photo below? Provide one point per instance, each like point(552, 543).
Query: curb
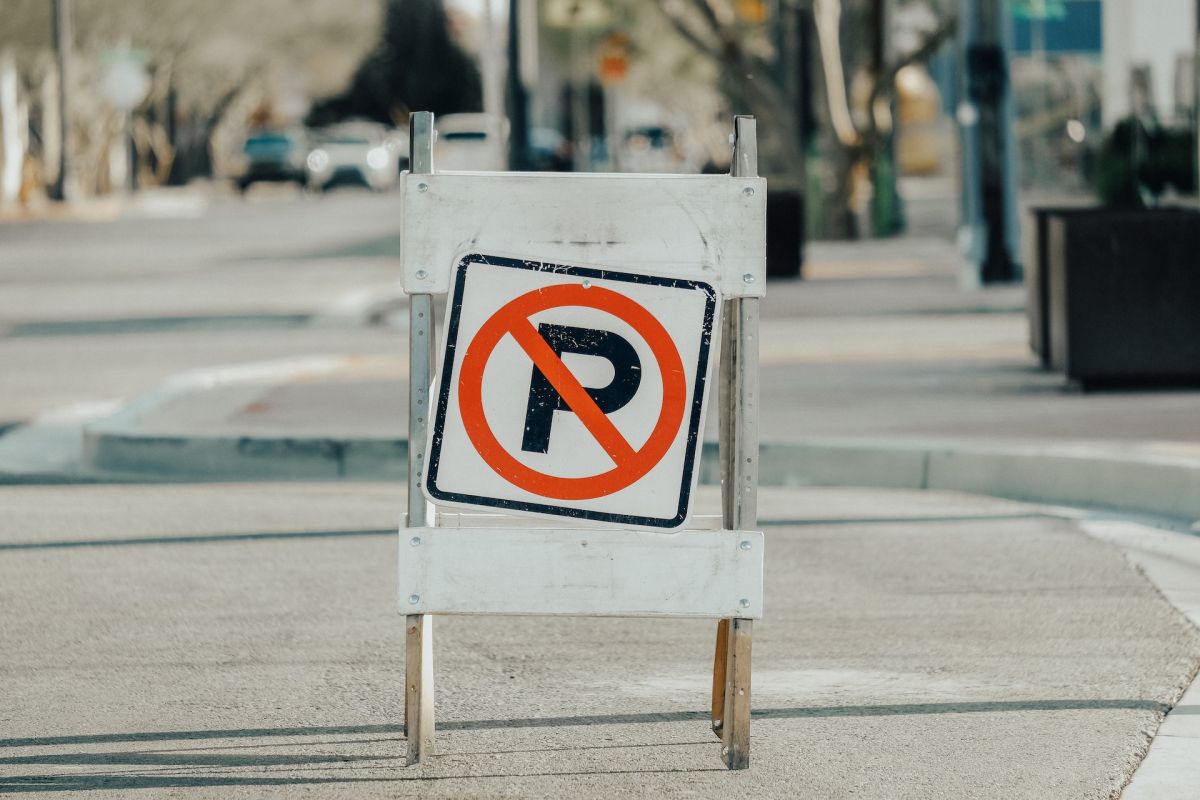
point(119, 445)
point(1073, 474)
point(1064, 474)
point(1143, 478)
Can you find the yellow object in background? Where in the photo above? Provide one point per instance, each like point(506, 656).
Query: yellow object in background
point(754, 11)
point(919, 130)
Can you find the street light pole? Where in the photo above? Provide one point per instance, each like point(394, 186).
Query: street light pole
point(62, 48)
point(985, 116)
point(518, 93)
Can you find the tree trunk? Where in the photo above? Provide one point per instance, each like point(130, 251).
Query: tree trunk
point(13, 123)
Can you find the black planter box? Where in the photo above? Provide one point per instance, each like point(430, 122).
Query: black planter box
point(1124, 296)
point(785, 232)
point(1037, 277)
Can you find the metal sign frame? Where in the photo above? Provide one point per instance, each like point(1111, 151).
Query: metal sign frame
point(710, 228)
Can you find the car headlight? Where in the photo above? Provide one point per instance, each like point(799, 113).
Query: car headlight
point(377, 157)
point(318, 160)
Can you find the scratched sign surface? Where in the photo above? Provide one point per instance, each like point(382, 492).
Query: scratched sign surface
point(571, 391)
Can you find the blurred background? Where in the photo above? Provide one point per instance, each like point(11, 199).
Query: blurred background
point(975, 207)
point(877, 115)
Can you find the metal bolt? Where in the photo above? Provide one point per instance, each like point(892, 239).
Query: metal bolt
point(415, 541)
point(421, 275)
point(418, 473)
point(422, 187)
point(747, 278)
point(413, 599)
point(748, 191)
point(745, 545)
point(744, 603)
point(741, 692)
point(587, 284)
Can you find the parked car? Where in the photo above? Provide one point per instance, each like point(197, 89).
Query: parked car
point(471, 142)
point(274, 155)
point(352, 153)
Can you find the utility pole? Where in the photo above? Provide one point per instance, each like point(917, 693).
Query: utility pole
point(985, 117)
point(62, 48)
point(489, 57)
point(1196, 102)
point(518, 91)
point(886, 213)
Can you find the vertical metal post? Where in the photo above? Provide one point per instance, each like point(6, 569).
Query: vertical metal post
point(986, 120)
point(63, 42)
point(581, 97)
point(739, 482)
point(519, 94)
point(418, 660)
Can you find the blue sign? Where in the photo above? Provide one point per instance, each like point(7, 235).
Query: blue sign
point(1071, 26)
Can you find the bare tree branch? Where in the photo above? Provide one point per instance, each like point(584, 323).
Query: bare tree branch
point(933, 42)
point(884, 85)
point(685, 30)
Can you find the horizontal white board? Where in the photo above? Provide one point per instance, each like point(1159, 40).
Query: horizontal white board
point(580, 572)
point(701, 227)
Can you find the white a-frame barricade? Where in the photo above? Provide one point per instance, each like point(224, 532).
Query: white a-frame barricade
point(587, 316)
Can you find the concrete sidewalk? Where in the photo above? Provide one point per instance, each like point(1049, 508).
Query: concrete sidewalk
point(880, 370)
point(242, 640)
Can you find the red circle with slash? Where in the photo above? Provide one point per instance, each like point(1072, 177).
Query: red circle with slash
point(631, 464)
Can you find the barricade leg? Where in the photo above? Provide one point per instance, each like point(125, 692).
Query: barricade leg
point(418, 639)
point(718, 684)
point(739, 483)
point(735, 729)
point(418, 686)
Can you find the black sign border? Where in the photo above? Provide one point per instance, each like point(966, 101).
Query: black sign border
point(447, 377)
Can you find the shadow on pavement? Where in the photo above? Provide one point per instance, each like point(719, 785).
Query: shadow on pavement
point(185, 759)
point(594, 719)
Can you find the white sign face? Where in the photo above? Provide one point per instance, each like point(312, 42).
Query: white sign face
point(571, 392)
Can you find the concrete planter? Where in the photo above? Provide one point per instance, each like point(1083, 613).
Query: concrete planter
point(1037, 277)
point(785, 232)
point(1123, 296)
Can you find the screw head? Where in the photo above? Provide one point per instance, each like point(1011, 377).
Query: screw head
point(747, 278)
point(587, 284)
point(422, 274)
point(422, 187)
point(744, 602)
point(748, 191)
point(413, 599)
point(415, 541)
point(745, 544)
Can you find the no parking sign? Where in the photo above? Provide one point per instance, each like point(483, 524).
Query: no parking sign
point(571, 391)
point(572, 384)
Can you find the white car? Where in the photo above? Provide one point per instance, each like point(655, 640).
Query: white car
point(352, 153)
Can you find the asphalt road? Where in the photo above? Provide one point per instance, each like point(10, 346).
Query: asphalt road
point(882, 340)
point(230, 641)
